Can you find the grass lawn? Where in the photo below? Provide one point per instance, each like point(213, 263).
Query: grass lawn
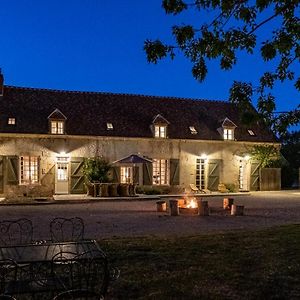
point(261, 264)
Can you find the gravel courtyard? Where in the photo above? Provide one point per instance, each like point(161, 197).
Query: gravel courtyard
point(139, 218)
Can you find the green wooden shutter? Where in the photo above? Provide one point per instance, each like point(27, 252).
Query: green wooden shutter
point(116, 174)
point(254, 176)
point(136, 174)
point(147, 174)
point(174, 171)
point(77, 177)
point(12, 170)
point(214, 166)
point(1, 176)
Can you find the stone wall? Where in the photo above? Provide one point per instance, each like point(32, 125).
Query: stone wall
point(113, 148)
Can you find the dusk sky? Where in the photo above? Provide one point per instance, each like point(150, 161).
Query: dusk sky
point(97, 45)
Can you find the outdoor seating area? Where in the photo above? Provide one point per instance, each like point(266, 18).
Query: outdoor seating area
point(190, 205)
point(59, 268)
point(97, 189)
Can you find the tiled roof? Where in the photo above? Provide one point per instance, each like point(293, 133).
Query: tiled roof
point(88, 113)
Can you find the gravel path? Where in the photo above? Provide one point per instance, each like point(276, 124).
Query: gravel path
point(139, 218)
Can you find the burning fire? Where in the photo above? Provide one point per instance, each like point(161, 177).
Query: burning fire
point(192, 204)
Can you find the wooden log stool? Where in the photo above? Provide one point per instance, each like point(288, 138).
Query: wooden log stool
point(173, 207)
point(203, 209)
point(161, 206)
point(227, 203)
point(237, 210)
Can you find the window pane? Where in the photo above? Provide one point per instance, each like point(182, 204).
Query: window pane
point(160, 171)
point(29, 169)
point(126, 174)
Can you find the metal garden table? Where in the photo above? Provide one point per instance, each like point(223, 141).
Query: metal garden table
point(37, 260)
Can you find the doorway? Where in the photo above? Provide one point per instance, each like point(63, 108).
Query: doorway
point(62, 176)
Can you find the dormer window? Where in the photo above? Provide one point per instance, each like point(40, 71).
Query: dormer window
point(193, 130)
point(109, 126)
point(57, 127)
point(160, 131)
point(57, 122)
point(228, 134)
point(11, 121)
point(160, 126)
point(251, 132)
point(228, 128)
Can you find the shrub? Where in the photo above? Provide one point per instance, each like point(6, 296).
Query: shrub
point(96, 169)
point(231, 187)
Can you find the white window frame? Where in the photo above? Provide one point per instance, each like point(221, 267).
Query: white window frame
point(57, 127)
point(193, 130)
point(251, 132)
point(11, 121)
point(109, 126)
point(62, 163)
point(161, 172)
point(29, 170)
point(160, 131)
point(201, 173)
point(126, 174)
point(228, 134)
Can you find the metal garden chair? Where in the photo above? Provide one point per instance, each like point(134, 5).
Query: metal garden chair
point(63, 229)
point(85, 273)
point(16, 232)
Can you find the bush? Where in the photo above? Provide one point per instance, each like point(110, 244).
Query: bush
point(148, 190)
point(96, 169)
point(231, 187)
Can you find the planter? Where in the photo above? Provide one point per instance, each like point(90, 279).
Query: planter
point(113, 190)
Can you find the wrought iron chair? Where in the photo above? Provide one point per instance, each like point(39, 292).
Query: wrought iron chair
point(16, 232)
point(78, 295)
point(87, 272)
point(63, 229)
point(15, 279)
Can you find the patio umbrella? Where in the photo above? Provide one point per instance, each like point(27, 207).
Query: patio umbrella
point(133, 159)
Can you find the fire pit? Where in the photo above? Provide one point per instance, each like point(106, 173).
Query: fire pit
point(188, 205)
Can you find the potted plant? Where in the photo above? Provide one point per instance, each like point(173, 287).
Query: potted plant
point(95, 171)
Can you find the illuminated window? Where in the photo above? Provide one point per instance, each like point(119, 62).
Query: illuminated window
point(11, 121)
point(29, 170)
point(160, 131)
point(126, 174)
point(193, 130)
point(57, 127)
point(200, 173)
point(109, 126)
point(251, 132)
point(228, 134)
point(160, 171)
point(62, 168)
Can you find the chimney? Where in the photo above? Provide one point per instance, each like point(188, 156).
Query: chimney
point(1, 83)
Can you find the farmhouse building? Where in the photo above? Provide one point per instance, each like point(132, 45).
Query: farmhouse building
point(46, 134)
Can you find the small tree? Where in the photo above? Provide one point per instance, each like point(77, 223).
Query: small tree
point(265, 154)
point(96, 169)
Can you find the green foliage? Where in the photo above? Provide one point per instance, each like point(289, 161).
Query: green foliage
point(149, 190)
point(291, 152)
point(96, 169)
point(265, 154)
point(233, 27)
point(231, 187)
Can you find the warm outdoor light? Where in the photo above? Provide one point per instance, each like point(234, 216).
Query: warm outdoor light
point(62, 153)
point(203, 156)
point(247, 157)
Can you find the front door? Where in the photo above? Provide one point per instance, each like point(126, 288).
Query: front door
point(62, 176)
point(243, 176)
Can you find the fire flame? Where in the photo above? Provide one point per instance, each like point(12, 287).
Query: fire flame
point(192, 204)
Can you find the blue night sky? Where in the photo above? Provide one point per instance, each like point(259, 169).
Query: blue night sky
point(97, 45)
